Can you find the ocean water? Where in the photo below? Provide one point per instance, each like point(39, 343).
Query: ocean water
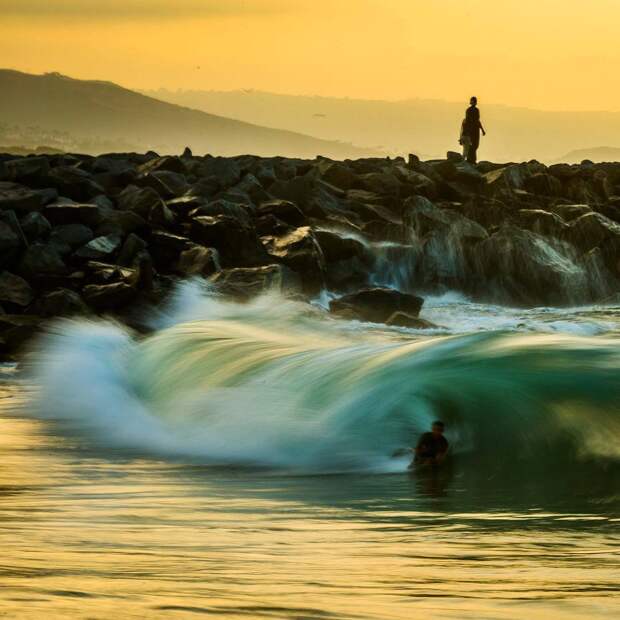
point(238, 463)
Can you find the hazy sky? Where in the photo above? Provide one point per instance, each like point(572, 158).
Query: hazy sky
point(553, 54)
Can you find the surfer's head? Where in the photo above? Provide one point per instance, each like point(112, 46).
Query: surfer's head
point(437, 428)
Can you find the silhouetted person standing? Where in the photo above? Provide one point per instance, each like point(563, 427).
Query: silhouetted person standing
point(470, 131)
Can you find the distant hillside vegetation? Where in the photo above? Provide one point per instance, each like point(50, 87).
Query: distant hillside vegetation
point(105, 116)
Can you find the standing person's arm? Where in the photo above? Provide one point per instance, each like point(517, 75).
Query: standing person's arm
point(484, 133)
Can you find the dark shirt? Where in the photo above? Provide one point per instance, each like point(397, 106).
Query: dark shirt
point(471, 126)
point(430, 446)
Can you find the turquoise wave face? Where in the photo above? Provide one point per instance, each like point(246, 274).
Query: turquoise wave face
point(271, 384)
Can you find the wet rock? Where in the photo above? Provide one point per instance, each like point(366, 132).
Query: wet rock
point(132, 246)
point(592, 230)
point(100, 248)
point(244, 283)
point(103, 297)
point(9, 240)
point(69, 212)
point(16, 331)
point(61, 302)
point(402, 319)
point(339, 175)
point(197, 260)
point(41, 260)
point(15, 290)
point(542, 222)
point(300, 252)
point(71, 235)
point(35, 226)
point(27, 169)
point(140, 200)
point(519, 267)
point(74, 183)
point(543, 184)
point(236, 242)
point(570, 212)
point(376, 305)
point(167, 164)
point(283, 210)
point(23, 200)
point(224, 207)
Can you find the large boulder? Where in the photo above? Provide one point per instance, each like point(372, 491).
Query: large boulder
point(245, 283)
point(348, 261)
point(61, 302)
point(300, 251)
point(197, 260)
point(224, 207)
point(376, 305)
point(41, 260)
point(28, 170)
point(74, 183)
point(35, 226)
point(15, 290)
point(140, 200)
point(237, 243)
point(286, 211)
point(592, 230)
point(23, 200)
point(542, 222)
point(339, 175)
point(516, 266)
point(103, 297)
point(100, 248)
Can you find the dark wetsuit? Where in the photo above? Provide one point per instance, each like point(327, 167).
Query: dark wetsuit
point(471, 128)
point(429, 447)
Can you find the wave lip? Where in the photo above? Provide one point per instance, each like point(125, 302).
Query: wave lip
point(271, 384)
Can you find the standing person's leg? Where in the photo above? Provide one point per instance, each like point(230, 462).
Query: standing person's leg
point(472, 156)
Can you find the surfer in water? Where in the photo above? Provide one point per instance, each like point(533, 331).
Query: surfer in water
point(432, 447)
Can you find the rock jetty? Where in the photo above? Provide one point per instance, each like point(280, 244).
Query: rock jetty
point(84, 235)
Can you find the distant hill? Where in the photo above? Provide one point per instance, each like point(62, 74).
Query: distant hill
point(426, 127)
point(105, 116)
point(597, 154)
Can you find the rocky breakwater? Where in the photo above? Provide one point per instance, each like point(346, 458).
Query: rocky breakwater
point(83, 235)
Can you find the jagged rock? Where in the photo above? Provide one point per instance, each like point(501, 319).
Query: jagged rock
point(74, 183)
point(100, 248)
point(244, 283)
point(61, 302)
point(270, 225)
point(570, 212)
point(381, 183)
point(184, 205)
point(27, 169)
point(69, 212)
point(507, 178)
point(543, 184)
point(236, 242)
point(16, 331)
point(41, 260)
point(402, 319)
point(187, 153)
point(251, 187)
point(35, 226)
point(226, 171)
point(166, 248)
point(140, 200)
point(337, 247)
point(23, 200)
point(339, 175)
point(9, 240)
point(284, 210)
point(115, 296)
point(161, 215)
point(542, 222)
point(348, 262)
point(300, 251)
point(71, 235)
point(592, 230)
point(132, 246)
point(376, 305)
point(421, 215)
point(166, 163)
point(119, 223)
point(15, 290)
point(197, 260)
point(224, 207)
point(516, 266)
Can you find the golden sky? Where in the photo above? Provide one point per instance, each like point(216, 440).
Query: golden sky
point(550, 54)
